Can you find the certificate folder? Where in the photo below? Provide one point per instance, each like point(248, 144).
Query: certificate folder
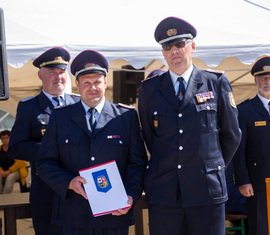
point(104, 188)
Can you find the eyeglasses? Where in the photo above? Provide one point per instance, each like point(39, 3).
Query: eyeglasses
point(177, 44)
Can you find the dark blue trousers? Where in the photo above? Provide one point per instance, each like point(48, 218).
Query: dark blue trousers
point(257, 214)
point(95, 231)
point(203, 220)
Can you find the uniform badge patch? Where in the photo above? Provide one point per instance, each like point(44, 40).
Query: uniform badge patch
point(102, 181)
point(43, 119)
point(260, 123)
point(203, 97)
point(231, 98)
point(113, 136)
point(155, 119)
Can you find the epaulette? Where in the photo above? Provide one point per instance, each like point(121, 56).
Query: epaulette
point(126, 106)
point(61, 107)
point(218, 72)
point(27, 98)
point(148, 79)
point(243, 102)
point(75, 94)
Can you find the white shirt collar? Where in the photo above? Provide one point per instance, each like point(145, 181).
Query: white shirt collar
point(264, 101)
point(50, 97)
point(186, 75)
point(98, 108)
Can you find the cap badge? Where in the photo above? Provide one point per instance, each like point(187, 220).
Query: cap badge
point(59, 58)
point(89, 65)
point(266, 68)
point(171, 32)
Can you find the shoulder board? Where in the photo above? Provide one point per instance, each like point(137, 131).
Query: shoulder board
point(214, 71)
point(126, 106)
point(244, 102)
point(75, 94)
point(148, 79)
point(27, 98)
point(61, 107)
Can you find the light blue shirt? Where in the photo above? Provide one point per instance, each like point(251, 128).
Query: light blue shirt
point(50, 97)
point(265, 102)
point(186, 76)
point(98, 108)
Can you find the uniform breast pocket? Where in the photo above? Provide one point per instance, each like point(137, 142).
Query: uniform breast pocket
point(163, 121)
point(69, 148)
point(116, 147)
point(207, 114)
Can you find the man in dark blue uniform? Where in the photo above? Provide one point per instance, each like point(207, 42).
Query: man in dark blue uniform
point(252, 161)
point(30, 125)
point(86, 134)
point(189, 122)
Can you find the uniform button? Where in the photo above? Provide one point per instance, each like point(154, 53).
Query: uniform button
point(181, 148)
point(208, 107)
point(255, 163)
point(93, 158)
point(120, 142)
point(147, 167)
point(181, 131)
point(180, 115)
point(179, 166)
point(219, 168)
point(66, 141)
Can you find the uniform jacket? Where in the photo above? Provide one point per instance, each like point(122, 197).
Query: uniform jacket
point(190, 143)
point(252, 161)
point(69, 146)
point(27, 132)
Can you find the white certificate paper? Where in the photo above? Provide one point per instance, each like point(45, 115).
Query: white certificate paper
point(104, 188)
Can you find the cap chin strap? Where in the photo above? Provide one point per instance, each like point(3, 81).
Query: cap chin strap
point(187, 35)
point(96, 68)
point(53, 62)
point(261, 73)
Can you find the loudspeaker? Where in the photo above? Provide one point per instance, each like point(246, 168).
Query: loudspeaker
point(126, 84)
point(4, 88)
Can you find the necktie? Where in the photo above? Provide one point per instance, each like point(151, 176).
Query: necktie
point(181, 89)
point(57, 99)
point(269, 107)
point(92, 120)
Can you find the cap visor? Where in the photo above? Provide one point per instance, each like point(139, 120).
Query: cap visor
point(56, 66)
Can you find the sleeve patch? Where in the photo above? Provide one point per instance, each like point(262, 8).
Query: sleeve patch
point(231, 98)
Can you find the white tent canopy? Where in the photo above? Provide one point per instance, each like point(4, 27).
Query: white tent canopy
point(124, 29)
point(232, 34)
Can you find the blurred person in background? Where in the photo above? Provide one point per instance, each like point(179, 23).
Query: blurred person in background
point(11, 171)
point(252, 161)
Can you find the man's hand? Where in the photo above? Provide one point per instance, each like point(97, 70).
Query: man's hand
point(76, 184)
point(246, 190)
point(3, 173)
point(124, 211)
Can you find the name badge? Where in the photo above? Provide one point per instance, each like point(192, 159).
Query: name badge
point(260, 123)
